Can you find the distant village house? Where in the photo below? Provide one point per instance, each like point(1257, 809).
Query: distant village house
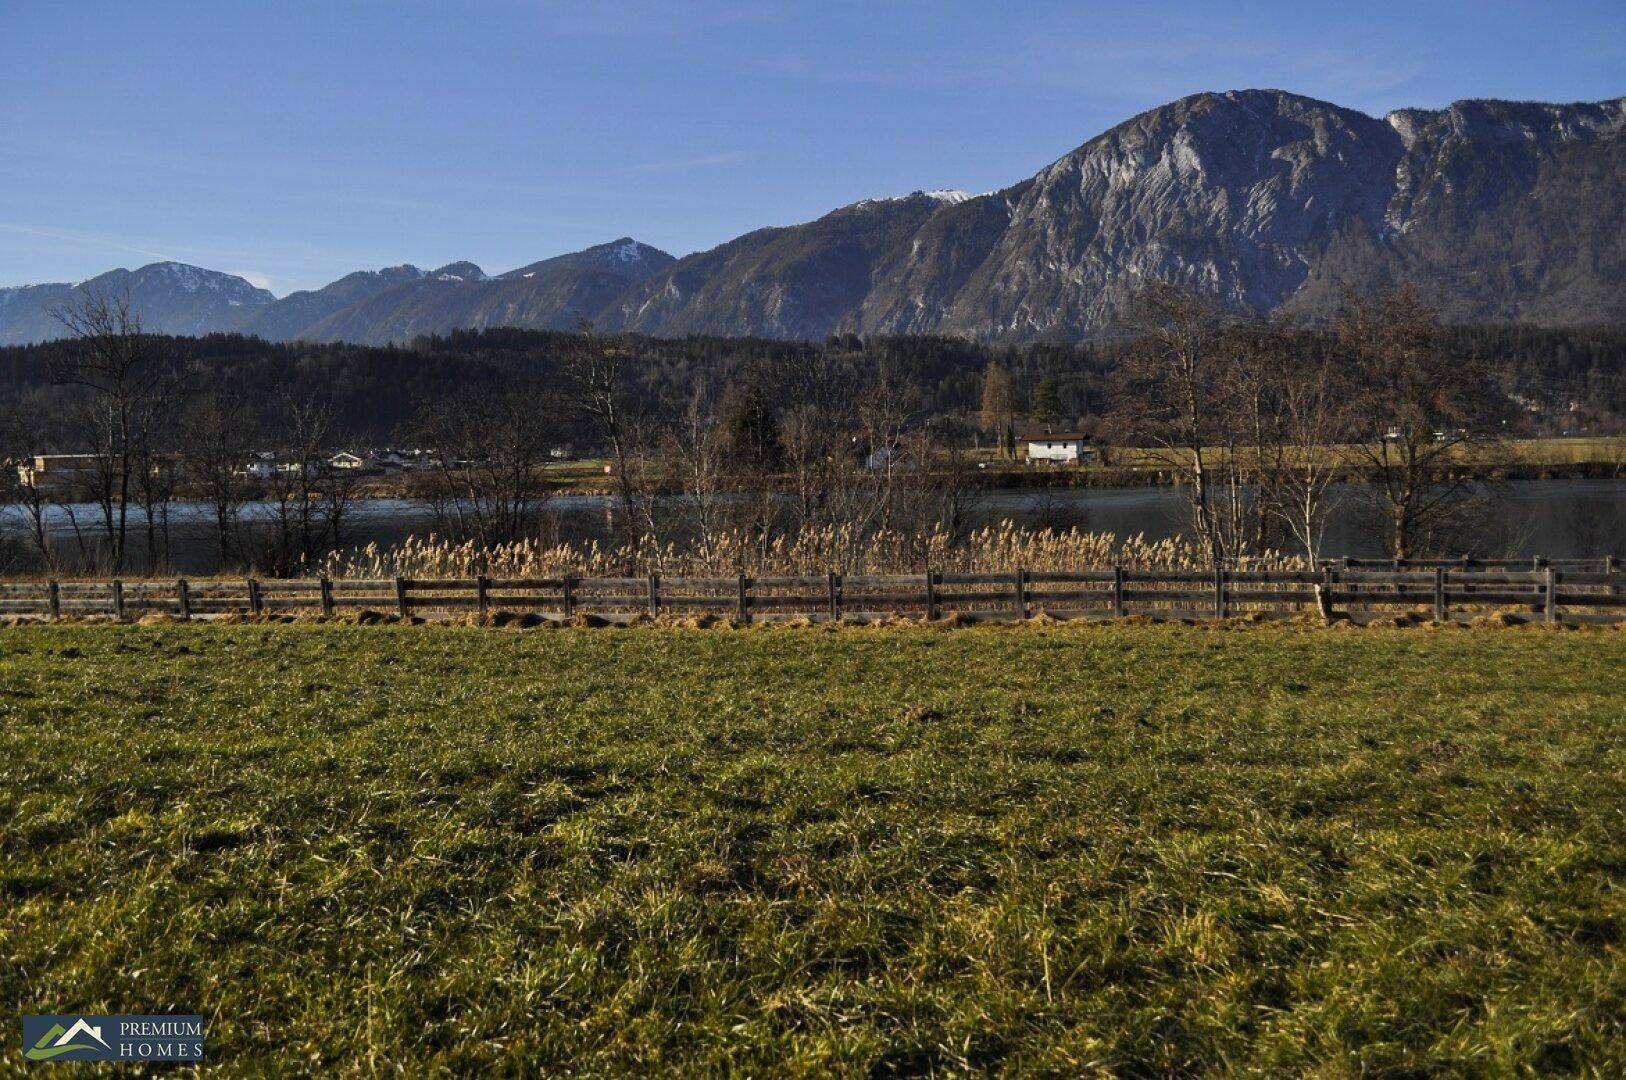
point(1059, 448)
point(56, 470)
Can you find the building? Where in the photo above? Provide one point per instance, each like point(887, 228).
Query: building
point(394, 460)
point(1059, 448)
point(347, 461)
point(261, 466)
point(57, 470)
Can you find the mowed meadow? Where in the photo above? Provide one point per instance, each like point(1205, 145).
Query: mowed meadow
point(1042, 849)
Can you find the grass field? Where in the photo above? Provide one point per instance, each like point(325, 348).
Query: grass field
point(1609, 450)
point(1127, 849)
point(588, 474)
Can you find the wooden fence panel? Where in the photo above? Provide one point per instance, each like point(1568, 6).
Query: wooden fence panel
point(1440, 587)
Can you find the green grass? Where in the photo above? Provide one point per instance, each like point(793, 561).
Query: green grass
point(1134, 849)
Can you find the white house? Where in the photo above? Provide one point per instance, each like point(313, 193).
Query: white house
point(260, 466)
point(1059, 448)
point(344, 459)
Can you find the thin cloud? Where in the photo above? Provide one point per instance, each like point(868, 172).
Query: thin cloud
point(88, 239)
point(705, 161)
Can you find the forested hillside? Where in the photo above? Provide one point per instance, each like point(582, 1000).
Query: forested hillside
point(377, 392)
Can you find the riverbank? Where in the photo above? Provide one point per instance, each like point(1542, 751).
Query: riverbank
point(1582, 458)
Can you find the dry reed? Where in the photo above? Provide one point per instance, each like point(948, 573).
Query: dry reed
point(995, 548)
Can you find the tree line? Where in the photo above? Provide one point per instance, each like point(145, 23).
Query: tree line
point(767, 438)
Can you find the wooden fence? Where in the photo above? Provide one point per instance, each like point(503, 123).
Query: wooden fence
point(1571, 590)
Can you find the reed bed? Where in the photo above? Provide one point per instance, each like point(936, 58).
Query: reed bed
point(995, 548)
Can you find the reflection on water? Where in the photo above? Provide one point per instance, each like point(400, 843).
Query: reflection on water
point(1559, 519)
point(1555, 518)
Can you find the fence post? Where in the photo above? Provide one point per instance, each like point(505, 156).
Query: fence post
point(1019, 594)
point(742, 599)
point(254, 605)
point(325, 588)
point(1611, 565)
point(1219, 592)
point(1323, 596)
point(931, 595)
point(118, 599)
point(1550, 595)
point(1117, 592)
point(183, 597)
point(568, 598)
point(53, 597)
point(1439, 594)
point(835, 595)
point(654, 595)
point(482, 598)
point(403, 607)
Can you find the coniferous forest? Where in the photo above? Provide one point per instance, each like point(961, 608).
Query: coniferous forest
point(1573, 380)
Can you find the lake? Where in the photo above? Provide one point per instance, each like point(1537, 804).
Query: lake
point(1523, 518)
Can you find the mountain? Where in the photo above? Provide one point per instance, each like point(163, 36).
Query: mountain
point(404, 302)
point(1263, 199)
point(170, 297)
point(797, 282)
point(1260, 198)
point(285, 319)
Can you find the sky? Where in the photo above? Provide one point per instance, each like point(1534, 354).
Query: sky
point(293, 142)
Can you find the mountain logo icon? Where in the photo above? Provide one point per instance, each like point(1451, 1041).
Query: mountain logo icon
point(58, 1041)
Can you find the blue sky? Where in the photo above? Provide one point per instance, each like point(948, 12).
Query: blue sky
point(293, 142)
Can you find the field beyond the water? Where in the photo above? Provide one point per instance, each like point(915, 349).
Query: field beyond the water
point(1063, 849)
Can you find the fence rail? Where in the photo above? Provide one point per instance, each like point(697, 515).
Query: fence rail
point(1573, 590)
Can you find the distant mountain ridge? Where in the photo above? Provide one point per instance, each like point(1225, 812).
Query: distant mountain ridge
point(1264, 199)
point(553, 294)
point(171, 297)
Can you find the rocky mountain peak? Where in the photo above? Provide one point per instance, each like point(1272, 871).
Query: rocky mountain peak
point(1262, 198)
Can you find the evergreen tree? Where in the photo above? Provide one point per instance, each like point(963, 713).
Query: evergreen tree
point(1046, 410)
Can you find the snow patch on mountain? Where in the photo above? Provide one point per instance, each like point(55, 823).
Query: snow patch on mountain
point(948, 196)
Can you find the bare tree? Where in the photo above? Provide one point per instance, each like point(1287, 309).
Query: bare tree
point(126, 386)
point(216, 442)
point(1170, 393)
point(1253, 365)
point(156, 477)
point(488, 447)
point(999, 407)
point(1416, 405)
point(819, 431)
point(1315, 416)
point(22, 500)
point(300, 487)
point(697, 457)
point(596, 371)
